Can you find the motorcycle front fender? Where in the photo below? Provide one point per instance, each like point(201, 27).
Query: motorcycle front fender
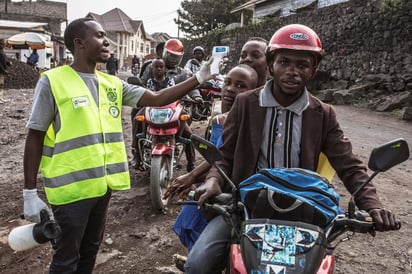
point(327, 266)
point(161, 149)
point(236, 260)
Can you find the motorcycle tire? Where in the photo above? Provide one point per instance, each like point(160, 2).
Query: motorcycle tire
point(159, 182)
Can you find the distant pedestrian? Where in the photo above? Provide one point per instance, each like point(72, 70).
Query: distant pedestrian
point(3, 66)
point(112, 65)
point(33, 59)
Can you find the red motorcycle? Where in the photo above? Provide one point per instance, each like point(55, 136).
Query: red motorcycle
point(287, 245)
point(211, 93)
point(161, 146)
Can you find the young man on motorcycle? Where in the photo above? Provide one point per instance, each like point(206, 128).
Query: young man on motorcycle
point(75, 137)
point(195, 63)
point(281, 125)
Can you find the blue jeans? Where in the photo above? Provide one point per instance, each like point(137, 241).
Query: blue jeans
point(82, 223)
point(210, 252)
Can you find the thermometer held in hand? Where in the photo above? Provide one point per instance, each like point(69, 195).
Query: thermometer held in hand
point(218, 53)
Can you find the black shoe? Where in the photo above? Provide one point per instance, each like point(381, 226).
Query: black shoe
point(179, 261)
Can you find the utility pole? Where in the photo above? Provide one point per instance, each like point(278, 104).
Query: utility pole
point(178, 29)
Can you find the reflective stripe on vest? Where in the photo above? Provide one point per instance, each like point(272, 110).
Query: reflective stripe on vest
point(87, 155)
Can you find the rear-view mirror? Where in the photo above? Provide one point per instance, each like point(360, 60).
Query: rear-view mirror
point(388, 155)
point(208, 150)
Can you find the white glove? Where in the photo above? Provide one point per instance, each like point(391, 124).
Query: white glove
point(204, 73)
point(33, 205)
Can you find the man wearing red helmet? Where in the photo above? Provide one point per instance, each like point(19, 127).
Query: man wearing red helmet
point(172, 55)
point(281, 125)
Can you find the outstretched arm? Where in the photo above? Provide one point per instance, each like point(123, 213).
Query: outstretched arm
point(171, 94)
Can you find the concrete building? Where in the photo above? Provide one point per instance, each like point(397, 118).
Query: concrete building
point(127, 36)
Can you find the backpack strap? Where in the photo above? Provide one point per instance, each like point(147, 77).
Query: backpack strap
point(295, 204)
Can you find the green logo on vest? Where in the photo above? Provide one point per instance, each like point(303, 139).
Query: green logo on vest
point(114, 111)
point(112, 96)
point(79, 102)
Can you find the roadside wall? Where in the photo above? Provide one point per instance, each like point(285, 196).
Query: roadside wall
point(359, 38)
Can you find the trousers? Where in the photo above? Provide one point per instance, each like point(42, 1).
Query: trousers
point(82, 223)
point(210, 252)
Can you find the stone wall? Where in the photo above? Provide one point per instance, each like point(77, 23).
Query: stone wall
point(39, 11)
point(359, 39)
point(368, 52)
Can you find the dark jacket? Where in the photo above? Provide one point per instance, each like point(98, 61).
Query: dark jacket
point(3, 62)
point(112, 65)
point(321, 132)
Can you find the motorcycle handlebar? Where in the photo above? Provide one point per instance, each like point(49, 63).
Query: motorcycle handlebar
point(355, 225)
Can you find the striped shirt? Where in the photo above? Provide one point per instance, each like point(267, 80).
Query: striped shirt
point(282, 130)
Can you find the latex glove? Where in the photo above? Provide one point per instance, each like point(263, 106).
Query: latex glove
point(204, 73)
point(33, 205)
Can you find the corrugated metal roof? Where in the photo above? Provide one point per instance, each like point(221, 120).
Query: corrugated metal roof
point(250, 5)
point(20, 24)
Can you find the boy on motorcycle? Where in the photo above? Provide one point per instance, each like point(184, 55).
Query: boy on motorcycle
point(281, 125)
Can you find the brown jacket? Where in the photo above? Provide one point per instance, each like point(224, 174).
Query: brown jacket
point(321, 132)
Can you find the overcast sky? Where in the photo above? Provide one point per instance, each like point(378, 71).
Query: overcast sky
point(157, 15)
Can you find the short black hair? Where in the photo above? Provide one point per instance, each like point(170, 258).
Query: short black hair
point(76, 29)
point(258, 39)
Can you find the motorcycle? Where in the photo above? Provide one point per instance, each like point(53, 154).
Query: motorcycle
point(262, 245)
point(211, 93)
point(161, 147)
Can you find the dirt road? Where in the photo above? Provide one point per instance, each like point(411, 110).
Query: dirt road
point(139, 240)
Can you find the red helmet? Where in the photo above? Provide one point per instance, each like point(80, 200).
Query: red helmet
point(174, 46)
point(296, 37)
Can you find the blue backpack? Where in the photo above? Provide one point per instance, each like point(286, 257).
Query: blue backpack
point(292, 194)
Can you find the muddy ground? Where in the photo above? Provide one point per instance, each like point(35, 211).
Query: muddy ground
point(140, 240)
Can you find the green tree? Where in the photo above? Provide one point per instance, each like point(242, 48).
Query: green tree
point(197, 17)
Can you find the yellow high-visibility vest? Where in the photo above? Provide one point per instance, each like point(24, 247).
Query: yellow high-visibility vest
point(86, 155)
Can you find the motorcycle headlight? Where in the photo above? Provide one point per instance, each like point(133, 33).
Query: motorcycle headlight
point(161, 116)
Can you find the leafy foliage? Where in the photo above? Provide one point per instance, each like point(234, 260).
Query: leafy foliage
point(197, 17)
point(391, 5)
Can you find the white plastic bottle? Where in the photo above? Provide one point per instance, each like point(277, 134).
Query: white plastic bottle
point(31, 235)
point(21, 238)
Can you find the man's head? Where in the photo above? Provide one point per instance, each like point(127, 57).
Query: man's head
point(253, 54)
point(237, 80)
point(199, 53)
point(293, 54)
point(173, 53)
point(86, 37)
point(295, 37)
point(34, 50)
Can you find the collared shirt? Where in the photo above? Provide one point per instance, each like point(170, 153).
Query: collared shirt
point(282, 130)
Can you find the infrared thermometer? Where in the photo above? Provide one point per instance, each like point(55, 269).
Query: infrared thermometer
point(218, 53)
